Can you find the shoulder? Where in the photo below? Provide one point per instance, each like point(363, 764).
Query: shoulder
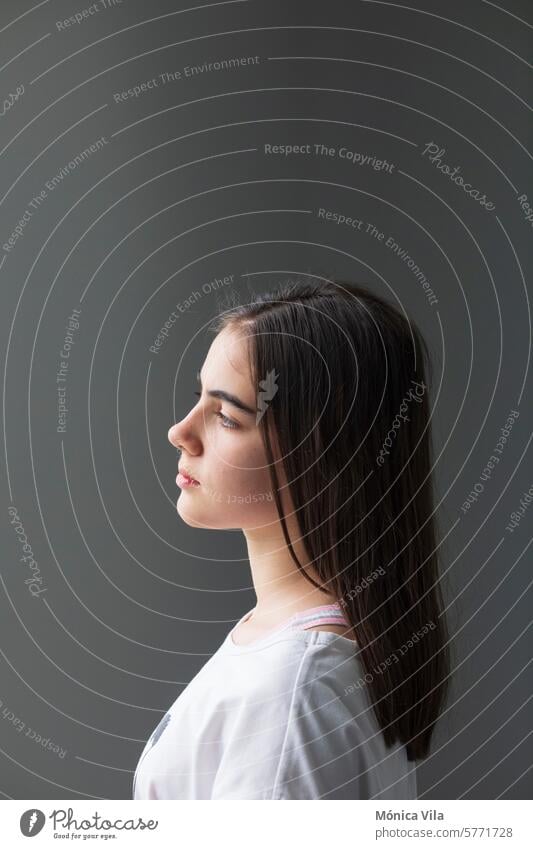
point(304, 667)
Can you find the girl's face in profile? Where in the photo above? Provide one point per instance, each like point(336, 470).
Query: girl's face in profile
point(222, 446)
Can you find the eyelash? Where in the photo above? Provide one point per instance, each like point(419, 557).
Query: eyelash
point(231, 425)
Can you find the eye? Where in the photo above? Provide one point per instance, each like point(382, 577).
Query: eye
point(225, 422)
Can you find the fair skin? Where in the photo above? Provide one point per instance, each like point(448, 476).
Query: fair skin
point(227, 457)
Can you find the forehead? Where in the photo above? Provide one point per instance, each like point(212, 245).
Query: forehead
point(228, 357)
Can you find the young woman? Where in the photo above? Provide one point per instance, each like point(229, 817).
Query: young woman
point(312, 433)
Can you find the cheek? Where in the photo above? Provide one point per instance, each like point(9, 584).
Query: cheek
point(241, 465)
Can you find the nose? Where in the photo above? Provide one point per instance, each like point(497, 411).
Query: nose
point(172, 436)
point(182, 435)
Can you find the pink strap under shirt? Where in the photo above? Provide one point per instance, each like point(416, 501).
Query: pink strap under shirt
point(325, 614)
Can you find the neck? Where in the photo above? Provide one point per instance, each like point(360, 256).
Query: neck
point(280, 587)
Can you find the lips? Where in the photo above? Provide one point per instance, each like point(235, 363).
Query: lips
point(188, 477)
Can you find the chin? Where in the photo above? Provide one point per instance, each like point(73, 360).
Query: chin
point(186, 516)
point(208, 523)
point(187, 513)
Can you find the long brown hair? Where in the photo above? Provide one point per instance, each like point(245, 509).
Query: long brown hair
point(343, 373)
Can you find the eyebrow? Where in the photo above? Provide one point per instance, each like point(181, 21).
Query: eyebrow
point(225, 396)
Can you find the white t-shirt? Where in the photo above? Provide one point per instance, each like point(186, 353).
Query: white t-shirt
point(280, 718)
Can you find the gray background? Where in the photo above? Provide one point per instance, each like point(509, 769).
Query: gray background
point(182, 193)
